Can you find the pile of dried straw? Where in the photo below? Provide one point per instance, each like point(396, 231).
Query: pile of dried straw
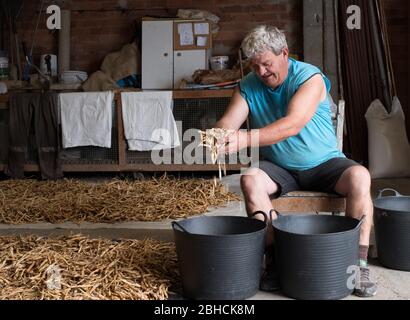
point(72, 268)
point(30, 201)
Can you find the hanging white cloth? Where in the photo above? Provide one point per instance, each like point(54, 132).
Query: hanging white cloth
point(86, 119)
point(148, 120)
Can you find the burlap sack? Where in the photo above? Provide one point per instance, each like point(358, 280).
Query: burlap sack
point(123, 63)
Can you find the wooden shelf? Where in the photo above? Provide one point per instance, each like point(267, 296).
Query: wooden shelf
point(177, 94)
point(193, 94)
point(15, 84)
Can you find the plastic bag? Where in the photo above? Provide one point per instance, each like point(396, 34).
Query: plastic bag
point(389, 149)
point(200, 14)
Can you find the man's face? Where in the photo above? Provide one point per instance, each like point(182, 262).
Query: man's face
point(270, 68)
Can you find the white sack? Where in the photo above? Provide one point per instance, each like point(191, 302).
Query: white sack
point(389, 149)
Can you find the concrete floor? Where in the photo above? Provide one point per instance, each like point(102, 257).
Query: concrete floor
point(393, 285)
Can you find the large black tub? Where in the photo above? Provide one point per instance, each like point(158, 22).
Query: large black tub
point(220, 258)
point(392, 229)
point(317, 256)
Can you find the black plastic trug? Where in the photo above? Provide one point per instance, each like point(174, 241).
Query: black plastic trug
point(220, 258)
point(392, 229)
point(316, 256)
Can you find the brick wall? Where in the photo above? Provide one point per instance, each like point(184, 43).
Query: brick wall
point(99, 27)
point(397, 13)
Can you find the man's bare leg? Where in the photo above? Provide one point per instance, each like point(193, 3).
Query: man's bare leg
point(355, 185)
point(257, 187)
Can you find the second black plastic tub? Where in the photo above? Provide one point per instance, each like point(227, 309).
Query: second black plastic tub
point(317, 256)
point(392, 229)
point(220, 258)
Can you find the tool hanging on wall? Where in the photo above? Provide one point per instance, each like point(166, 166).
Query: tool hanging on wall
point(379, 49)
point(16, 39)
point(29, 55)
point(386, 44)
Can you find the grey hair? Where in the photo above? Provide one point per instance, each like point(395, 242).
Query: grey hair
point(264, 38)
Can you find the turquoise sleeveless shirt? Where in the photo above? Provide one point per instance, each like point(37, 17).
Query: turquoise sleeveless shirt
point(316, 143)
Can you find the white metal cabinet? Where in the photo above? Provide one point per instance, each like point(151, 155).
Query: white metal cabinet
point(162, 66)
point(186, 62)
point(157, 55)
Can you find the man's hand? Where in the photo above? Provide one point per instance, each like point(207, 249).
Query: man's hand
point(235, 142)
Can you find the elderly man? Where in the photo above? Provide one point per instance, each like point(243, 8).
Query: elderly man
point(288, 104)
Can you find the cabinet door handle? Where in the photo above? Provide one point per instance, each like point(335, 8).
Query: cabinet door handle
point(165, 54)
point(179, 54)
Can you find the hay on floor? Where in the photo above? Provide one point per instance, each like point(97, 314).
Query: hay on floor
point(76, 267)
point(32, 201)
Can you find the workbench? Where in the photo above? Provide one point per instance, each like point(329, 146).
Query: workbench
point(190, 106)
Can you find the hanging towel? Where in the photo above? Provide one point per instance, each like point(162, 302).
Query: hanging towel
point(148, 120)
point(86, 119)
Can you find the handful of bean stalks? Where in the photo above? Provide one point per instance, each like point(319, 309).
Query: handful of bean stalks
point(214, 139)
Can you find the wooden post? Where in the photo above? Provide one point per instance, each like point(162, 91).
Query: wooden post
point(122, 147)
point(64, 42)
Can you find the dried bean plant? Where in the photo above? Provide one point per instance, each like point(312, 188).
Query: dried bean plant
point(32, 201)
point(76, 267)
point(214, 139)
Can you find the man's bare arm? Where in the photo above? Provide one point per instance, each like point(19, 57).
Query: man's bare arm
point(236, 113)
point(302, 108)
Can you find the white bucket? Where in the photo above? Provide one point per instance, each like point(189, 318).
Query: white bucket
point(53, 64)
point(219, 62)
point(73, 77)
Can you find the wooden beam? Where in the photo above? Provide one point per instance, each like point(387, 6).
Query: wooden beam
point(133, 167)
point(73, 167)
point(178, 167)
point(340, 124)
point(177, 94)
point(193, 94)
point(313, 32)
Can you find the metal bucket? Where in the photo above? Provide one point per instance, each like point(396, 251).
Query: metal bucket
point(220, 258)
point(392, 229)
point(316, 255)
